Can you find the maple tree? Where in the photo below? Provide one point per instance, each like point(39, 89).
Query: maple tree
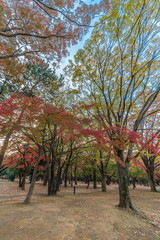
point(34, 29)
point(149, 156)
point(149, 147)
point(17, 113)
point(23, 161)
point(11, 119)
point(65, 133)
point(116, 67)
point(51, 129)
point(41, 124)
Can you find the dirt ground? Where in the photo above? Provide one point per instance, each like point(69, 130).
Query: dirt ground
point(87, 215)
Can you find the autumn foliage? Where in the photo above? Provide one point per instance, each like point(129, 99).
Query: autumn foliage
point(38, 29)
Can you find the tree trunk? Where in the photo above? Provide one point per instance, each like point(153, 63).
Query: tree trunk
point(103, 182)
point(151, 180)
point(30, 191)
point(124, 195)
point(59, 178)
point(54, 188)
point(94, 179)
point(24, 181)
point(75, 175)
point(66, 175)
point(149, 163)
point(102, 169)
point(20, 180)
point(71, 177)
point(54, 180)
point(134, 182)
point(51, 177)
point(65, 179)
point(45, 177)
point(88, 183)
point(108, 181)
point(5, 145)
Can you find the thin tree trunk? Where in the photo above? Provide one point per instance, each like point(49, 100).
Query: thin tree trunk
point(94, 179)
point(66, 175)
point(5, 145)
point(65, 180)
point(68, 160)
point(108, 181)
point(102, 169)
point(88, 182)
point(134, 183)
point(30, 192)
point(71, 177)
point(75, 175)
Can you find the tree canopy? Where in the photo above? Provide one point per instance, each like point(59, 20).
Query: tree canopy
point(118, 72)
point(38, 29)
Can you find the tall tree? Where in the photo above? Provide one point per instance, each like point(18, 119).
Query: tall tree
point(117, 67)
point(12, 112)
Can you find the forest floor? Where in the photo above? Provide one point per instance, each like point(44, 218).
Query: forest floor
point(87, 215)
